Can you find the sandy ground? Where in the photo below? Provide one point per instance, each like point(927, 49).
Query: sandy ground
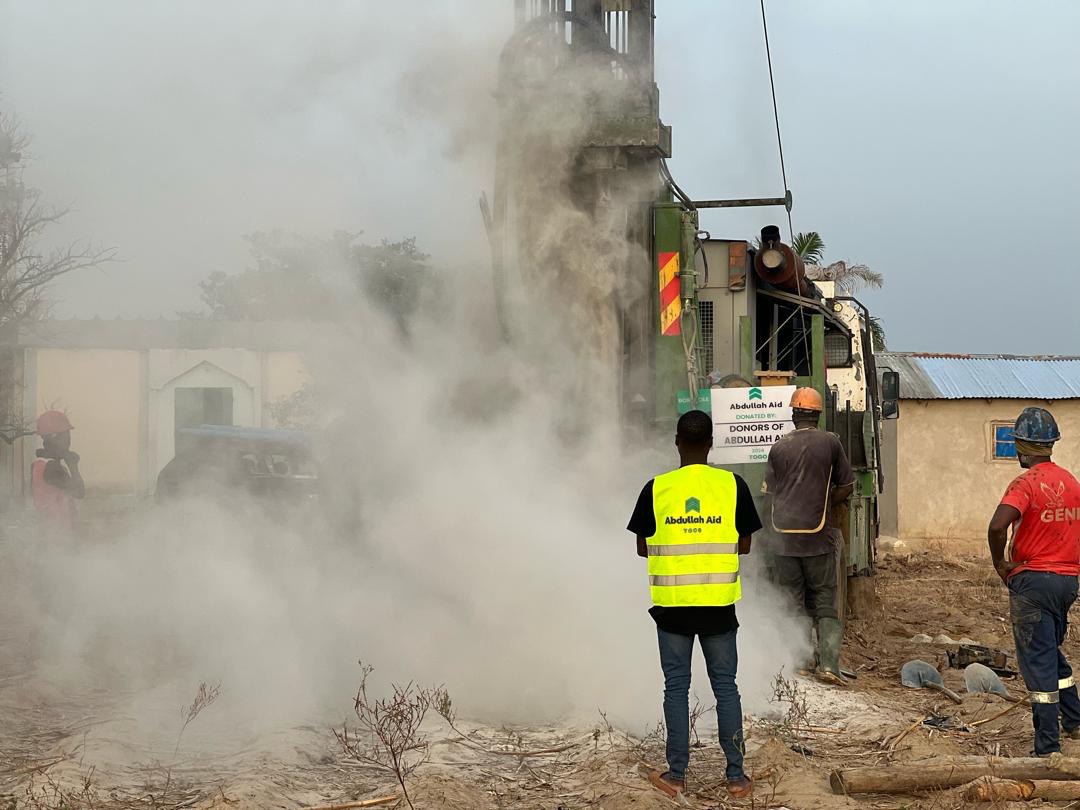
point(59, 749)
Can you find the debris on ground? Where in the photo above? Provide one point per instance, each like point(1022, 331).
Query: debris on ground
point(921, 675)
point(77, 745)
point(981, 679)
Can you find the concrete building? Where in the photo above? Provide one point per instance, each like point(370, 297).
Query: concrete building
point(950, 455)
point(127, 386)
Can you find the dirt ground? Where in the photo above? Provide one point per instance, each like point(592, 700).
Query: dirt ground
point(61, 750)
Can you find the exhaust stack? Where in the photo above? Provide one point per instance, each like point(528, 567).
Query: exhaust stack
point(779, 265)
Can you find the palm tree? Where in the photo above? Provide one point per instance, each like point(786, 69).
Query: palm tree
point(849, 278)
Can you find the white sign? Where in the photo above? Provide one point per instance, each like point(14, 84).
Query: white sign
point(748, 421)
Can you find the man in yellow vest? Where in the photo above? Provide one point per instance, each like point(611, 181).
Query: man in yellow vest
point(692, 524)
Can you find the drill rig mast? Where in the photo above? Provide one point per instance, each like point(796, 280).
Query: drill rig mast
point(587, 222)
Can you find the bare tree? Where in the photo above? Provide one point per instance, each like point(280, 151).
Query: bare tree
point(26, 269)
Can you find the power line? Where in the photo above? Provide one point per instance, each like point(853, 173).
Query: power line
point(776, 115)
point(783, 175)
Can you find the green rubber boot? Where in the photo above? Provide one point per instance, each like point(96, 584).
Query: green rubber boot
point(810, 664)
point(830, 638)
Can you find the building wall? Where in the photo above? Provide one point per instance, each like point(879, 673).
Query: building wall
point(286, 373)
point(122, 403)
point(169, 369)
point(948, 483)
point(100, 390)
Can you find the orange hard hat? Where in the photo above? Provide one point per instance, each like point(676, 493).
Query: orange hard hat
point(807, 399)
point(53, 422)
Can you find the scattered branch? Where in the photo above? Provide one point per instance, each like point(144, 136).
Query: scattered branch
point(787, 692)
point(696, 713)
point(379, 802)
point(45, 793)
point(204, 698)
point(389, 736)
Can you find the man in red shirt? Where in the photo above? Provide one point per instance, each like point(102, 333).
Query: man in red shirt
point(1040, 567)
point(55, 480)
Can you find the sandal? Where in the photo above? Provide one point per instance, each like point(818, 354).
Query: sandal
point(668, 779)
point(740, 788)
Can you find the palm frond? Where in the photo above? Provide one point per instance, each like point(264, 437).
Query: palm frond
point(809, 246)
point(853, 277)
point(877, 334)
point(862, 276)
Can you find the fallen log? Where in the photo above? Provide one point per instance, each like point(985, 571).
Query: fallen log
point(949, 772)
point(1009, 790)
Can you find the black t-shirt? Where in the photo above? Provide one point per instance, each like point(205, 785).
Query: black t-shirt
point(803, 467)
point(689, 621)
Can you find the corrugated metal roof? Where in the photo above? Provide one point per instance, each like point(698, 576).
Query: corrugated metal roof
point(971, 376)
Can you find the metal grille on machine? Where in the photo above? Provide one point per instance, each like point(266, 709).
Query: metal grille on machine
point(837, 350)
point(705, 313)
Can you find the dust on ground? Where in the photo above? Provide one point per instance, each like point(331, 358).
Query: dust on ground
point(72, 749)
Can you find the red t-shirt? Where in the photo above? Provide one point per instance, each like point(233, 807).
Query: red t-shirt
point(1047, 536)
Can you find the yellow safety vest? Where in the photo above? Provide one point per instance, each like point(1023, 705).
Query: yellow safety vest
point(694, 555)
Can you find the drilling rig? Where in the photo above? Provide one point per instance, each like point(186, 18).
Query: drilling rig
point(586, 218)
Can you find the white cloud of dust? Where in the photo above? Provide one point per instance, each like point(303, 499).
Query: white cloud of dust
point(493, 556)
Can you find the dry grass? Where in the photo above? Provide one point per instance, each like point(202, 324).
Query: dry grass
point(388, 733)
point(788, 694)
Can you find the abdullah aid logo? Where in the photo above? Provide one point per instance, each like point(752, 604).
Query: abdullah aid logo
point(692, 505)
point(754, 394)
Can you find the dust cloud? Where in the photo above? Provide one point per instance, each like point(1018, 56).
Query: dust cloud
point(490, 553)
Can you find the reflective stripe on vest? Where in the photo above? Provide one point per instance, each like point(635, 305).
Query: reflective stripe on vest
point(694, 555)
point(695, 579)
point(1065, 683)
point(694, 548)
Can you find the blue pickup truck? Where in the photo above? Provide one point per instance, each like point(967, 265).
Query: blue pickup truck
point(268, 465)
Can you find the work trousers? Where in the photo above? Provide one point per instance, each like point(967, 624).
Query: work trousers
point(809, 581)
point(1039, 603)
point(721, 662)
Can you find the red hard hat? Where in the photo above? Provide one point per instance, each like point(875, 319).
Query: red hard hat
point(53, 422)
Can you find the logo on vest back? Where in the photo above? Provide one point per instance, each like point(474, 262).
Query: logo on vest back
point(692, 505)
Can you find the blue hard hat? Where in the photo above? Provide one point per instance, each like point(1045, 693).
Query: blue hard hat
point(1036, 425)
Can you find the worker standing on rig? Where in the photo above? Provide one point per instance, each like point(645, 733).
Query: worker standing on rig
point(1040, 570)
point(692, 524)
point(808, 472)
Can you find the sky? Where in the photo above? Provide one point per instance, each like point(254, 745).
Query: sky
point(931, 141)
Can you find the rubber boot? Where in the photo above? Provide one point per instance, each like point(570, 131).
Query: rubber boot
point(830, 637)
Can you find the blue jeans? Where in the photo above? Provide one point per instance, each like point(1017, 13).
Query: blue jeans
point(721, 661)
point(1039, 603)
